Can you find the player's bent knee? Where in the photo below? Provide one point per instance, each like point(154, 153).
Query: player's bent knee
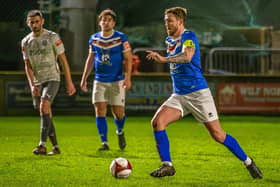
point(45, 107)
point(157, 124)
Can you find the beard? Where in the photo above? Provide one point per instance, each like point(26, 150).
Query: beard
point(171, 31)
point(36, 29)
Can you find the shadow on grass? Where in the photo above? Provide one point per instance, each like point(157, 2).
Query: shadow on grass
point(272, 181)
point(111, 154)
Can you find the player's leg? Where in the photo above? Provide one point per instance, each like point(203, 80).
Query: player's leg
point(101, 123)
point(163, 117)
point(119, 119)
point(204, 110)
point(99, 100)
point(231, 143)
point(53, 139)
point(40, 149)
point(117, 102)
point(50, 92)
point(45, 125)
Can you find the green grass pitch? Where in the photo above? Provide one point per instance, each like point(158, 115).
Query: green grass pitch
point(199, 160)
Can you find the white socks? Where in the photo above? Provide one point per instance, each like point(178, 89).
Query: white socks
point(42, 143)
point(248, 161)
point(168, 163)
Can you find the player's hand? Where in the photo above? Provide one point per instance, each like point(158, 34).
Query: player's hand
point(71, 90)
point(35, 91)
point(126, 84)
point(155, 56)
point(83, 86)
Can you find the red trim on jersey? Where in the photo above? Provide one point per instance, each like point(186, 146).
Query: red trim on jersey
point(106, 44)
point(58, 42)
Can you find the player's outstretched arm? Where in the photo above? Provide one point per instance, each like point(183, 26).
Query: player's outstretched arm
point(67, 74)
point(87, 70)
point(185, 56)
point(156, 57)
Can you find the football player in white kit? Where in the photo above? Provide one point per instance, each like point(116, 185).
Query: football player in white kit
point(40, 49)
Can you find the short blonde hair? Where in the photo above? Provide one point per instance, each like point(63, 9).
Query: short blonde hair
point(179, 12)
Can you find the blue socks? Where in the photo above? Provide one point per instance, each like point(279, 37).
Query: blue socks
point(162, 145)
point(120, 124)
point(234, 147)
point(102, 128)
point(101, 124)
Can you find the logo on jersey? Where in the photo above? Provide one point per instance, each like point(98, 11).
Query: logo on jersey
point(105, 60)
point(44, 42)
point(172, 67)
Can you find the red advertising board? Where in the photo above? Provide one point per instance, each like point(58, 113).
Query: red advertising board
point(248, 98)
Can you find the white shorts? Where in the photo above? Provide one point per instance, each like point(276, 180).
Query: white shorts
point(200, 104)
point(111, 92)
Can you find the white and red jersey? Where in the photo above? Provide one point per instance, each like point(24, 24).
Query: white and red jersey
point(42, 54)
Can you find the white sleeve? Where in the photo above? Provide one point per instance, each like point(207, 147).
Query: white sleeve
point(58, 44)
point(24, 50)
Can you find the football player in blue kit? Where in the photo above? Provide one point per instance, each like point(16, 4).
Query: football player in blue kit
point(110, 55)
point(191, 94)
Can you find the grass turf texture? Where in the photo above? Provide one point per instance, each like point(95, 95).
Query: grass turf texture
point(199, 160)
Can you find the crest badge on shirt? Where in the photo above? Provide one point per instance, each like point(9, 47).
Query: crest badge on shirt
point(44, 42)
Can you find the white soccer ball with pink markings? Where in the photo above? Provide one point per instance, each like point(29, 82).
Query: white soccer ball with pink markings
point(120, 168)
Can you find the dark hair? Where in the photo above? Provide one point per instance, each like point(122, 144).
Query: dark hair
point(107, 12)
point(179, 12)
point(33, 13)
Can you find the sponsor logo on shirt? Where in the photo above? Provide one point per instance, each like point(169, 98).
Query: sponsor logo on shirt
point(39, 52)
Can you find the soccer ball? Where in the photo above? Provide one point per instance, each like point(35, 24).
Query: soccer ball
point(120, 168)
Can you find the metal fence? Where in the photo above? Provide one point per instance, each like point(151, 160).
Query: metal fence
point(236, 60)
point(224, 60)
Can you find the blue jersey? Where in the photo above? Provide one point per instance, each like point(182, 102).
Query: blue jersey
point(186, 77)
point(108, 52)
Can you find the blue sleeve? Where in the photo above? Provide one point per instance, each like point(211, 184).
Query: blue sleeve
point(92, 48)
point(123, 38)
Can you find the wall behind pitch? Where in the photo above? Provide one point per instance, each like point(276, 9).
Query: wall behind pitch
point(149, 90)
